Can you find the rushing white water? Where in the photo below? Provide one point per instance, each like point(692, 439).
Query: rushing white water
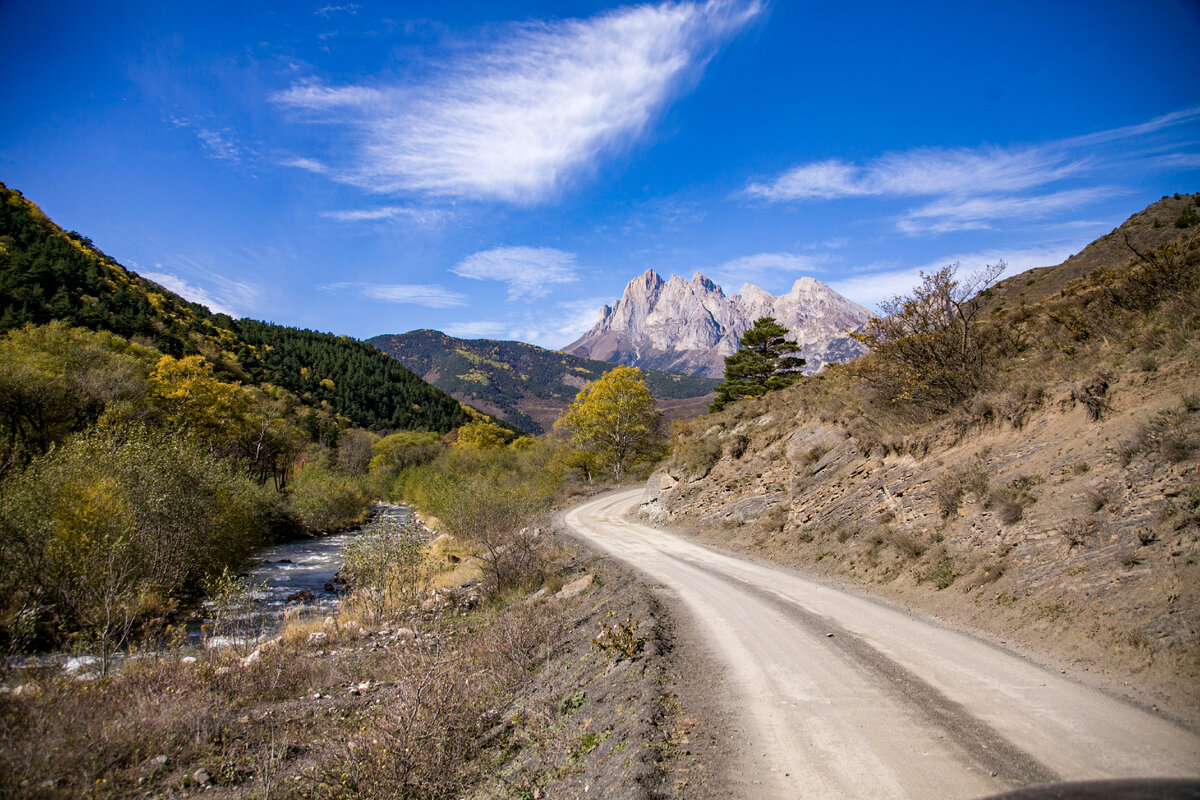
point(295, 575)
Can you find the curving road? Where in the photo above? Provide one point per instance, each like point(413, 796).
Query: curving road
point(842, 697)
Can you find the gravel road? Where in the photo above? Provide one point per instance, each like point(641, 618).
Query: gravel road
point(838, 696)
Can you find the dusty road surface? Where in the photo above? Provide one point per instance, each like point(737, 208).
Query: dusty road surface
point(842, 697)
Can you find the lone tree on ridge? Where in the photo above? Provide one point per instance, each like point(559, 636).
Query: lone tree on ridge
point(762, 364)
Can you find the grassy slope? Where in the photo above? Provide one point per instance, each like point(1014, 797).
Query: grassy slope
point(1078, 539)
point(527, 385)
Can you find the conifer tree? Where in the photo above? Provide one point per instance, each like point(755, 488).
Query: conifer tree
point(761, 364)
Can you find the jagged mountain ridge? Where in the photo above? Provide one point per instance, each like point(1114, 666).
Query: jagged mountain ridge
point(691, 326)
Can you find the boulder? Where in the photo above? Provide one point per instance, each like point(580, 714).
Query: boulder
point(575, 587)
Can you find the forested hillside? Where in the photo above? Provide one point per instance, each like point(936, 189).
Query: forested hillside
point(527, 385)
point(48, 274)
point(148, 445)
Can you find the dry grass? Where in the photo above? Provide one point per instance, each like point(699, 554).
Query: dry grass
point(358, 704)
point(350, 717)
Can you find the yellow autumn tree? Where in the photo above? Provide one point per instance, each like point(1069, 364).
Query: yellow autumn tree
point(482, 434)
point(613, 421)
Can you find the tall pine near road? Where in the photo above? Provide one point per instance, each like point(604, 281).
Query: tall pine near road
point(762, 364)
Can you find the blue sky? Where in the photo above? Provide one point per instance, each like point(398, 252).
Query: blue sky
point(501, 169)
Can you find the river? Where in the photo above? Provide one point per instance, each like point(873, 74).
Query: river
point(291, 577)
point(294, 576)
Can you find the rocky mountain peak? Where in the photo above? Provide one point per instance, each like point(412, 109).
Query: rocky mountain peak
point(690, 326)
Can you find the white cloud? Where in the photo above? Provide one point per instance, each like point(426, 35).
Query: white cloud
point(870, 288)
point(954, 213)
point(549, 327)
point(428, 295)
point(349, 8)
point(973, 187)
point(922, 172)
point(315, 97)
point(528, 271)
point(218, 143)
point(766, 268)
point(476, 330)
point(515, 119)
point(215, 302)
point(421, 216)
point(309, 164)
point(419, 294)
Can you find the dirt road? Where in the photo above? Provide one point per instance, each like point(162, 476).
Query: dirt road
point(839, 696)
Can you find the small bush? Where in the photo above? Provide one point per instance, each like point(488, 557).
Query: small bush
point(940, 571)
point(1077, 532)
point(326, 501)
point(1010, 511)
point(697, 456)
point(1093, 396)
point(949, 494)
point(621, 639)
point(737, 445)
point(385, 565)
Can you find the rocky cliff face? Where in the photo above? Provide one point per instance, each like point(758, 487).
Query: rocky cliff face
point(690, 326)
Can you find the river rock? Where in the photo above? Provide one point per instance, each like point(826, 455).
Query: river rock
point(575, 587)
point(302, 596)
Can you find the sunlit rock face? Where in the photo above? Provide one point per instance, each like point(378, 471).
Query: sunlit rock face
point(690, 326)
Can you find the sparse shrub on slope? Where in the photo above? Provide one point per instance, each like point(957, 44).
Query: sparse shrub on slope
point(930, 348)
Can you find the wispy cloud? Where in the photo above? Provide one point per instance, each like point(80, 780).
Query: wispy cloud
point(528, 271)
point(477, 330)
point(219, 143)
point(871, 287)
point(515, 118)
point(957, 213)
point(327, 11)
point(419, 294)
point(765, 268)
point(973, 187)
point(546, 326)
point(310, 164)
point(921, 173)
point(234, 298)
point(417, 215)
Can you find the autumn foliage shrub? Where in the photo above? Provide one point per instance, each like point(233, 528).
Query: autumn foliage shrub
point(113, 524)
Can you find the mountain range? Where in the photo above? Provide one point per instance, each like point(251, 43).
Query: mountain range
point(526, 385)
point(691, 326)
